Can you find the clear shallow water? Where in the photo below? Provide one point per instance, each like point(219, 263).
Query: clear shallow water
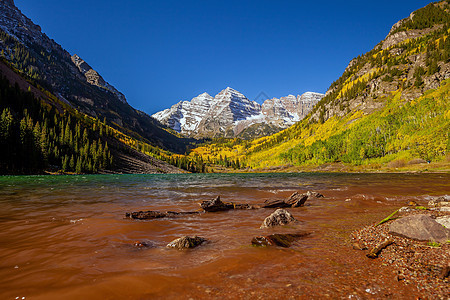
point(65, 236)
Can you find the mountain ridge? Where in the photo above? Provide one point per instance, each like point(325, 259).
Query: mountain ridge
point(40, 58)
point(229, 113)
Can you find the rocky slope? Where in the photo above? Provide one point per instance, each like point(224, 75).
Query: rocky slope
point(94, 78)
point(28, 49)
point(406, 59)
point(231, 114)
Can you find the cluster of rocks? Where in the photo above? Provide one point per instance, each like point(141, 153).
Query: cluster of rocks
point(279, 217)
point(415, 241)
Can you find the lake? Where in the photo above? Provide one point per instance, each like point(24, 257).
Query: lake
point(65, 237)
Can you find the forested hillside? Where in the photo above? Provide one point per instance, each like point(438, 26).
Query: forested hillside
point(36, 56)
point(60, 115)
point(34, 136)
point(390, 108)
point(39, 133)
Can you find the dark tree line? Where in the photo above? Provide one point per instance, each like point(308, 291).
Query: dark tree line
point(34, 137)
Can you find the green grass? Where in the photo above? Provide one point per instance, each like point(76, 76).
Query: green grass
point(434, 244)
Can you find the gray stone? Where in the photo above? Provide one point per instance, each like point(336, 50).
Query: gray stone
point(186, 242)
point(278, 218)
point(420, 227)
point(441, 209)
point(444, 221)
point(439, 202)
point(405, 209)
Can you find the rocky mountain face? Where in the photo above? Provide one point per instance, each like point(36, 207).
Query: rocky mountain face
point(230, 114)
point(413, 58)
point(41, 59)
point(94, 78)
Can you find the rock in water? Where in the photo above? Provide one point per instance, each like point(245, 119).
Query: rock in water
point(151, 214)
point(295, 200)
point(279, 217)
point(186, 242)
point(143, 244)
point(378, 248)
point(420, 227)
point(216, 205)
point(314, 194)
point(275, 204)
point(282, 240)
point(145, 215)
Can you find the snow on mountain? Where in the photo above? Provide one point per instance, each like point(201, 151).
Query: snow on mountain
point(230, 112)
point(185, 116)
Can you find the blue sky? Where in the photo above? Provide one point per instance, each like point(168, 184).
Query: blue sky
point(160, 52)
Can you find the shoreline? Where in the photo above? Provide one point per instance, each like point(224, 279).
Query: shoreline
point(257, 171)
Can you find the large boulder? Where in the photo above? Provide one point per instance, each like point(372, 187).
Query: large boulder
point(278, 218)
point(186, 242)
point(282, 240)
point(420, 227)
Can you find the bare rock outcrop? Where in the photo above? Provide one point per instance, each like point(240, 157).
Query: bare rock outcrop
point(94, 78)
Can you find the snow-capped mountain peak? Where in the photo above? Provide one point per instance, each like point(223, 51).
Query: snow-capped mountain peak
point(230, 112)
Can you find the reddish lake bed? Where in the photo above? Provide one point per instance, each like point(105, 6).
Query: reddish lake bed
point(65, 237)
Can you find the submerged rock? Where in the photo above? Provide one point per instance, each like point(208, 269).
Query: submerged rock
point(314, 194)
point(186, 242)
point(295, 200)
point(282, 240)
point(216, 205)
point(244, 206)
point(150, 214)
point(278, 218)
point(420, 227)
point(143, 244)
point(375, 251)
point(144, 215)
